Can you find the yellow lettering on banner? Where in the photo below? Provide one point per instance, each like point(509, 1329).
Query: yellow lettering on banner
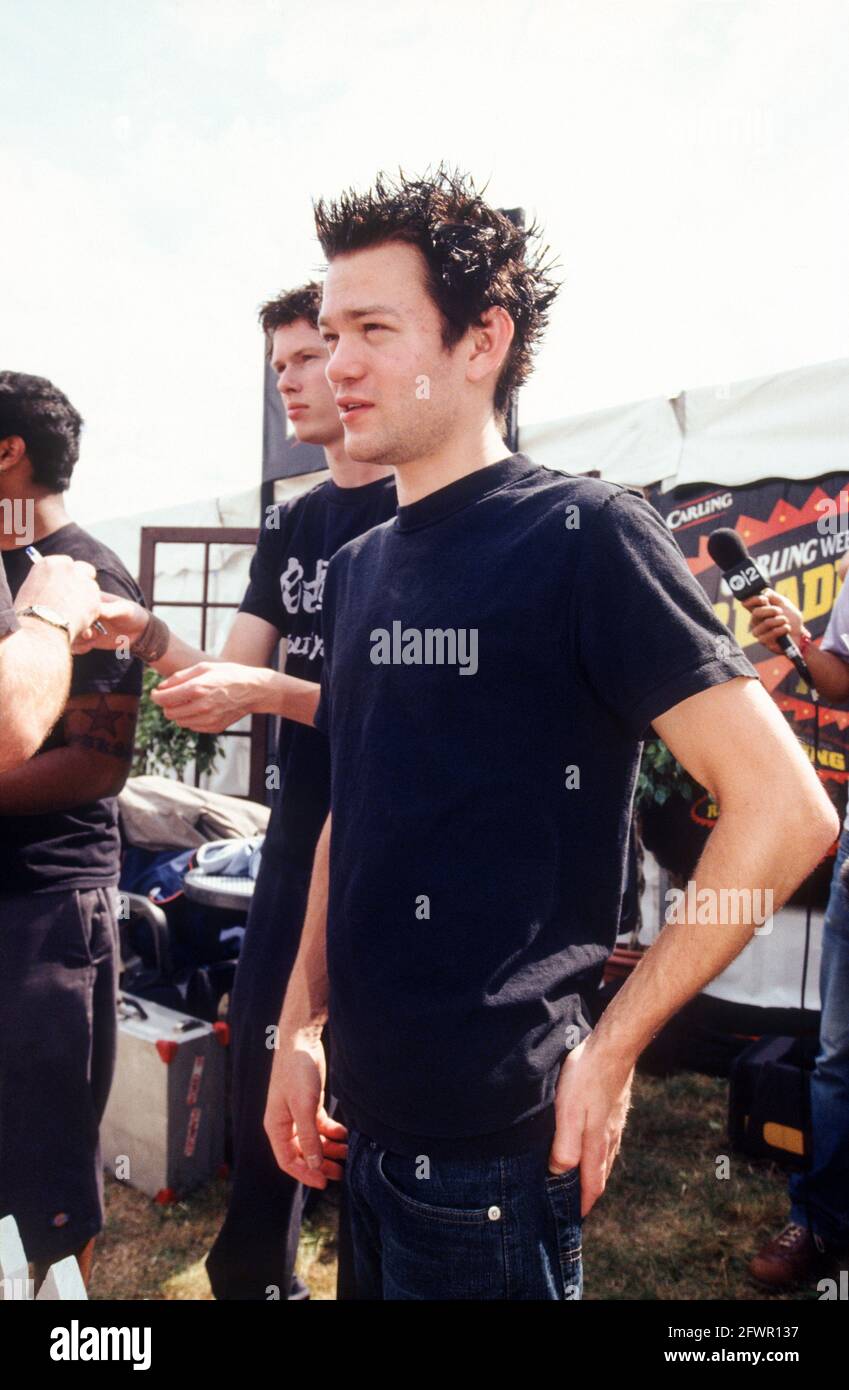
point(742, 631)
point(789, 587)
point(721, 611)
point(819, 591)
point(827, 757)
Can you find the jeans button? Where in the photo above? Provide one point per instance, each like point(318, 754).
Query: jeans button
point(494, 1213)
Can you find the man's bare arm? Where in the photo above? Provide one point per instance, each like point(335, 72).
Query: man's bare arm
point(213, 694)
point(305, 1003)
point(208, 693)
point(35, 677)
point(304, 1139)
point(35, 664)
point(774, 826)
point(249, 642)
point(94, 761)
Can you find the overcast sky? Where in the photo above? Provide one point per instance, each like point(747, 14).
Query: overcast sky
point(687, 159)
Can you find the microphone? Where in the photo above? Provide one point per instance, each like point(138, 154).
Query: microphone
point(745, 579)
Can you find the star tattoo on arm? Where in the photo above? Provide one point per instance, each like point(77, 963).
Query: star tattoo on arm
point(103, 717)
point(102, 723)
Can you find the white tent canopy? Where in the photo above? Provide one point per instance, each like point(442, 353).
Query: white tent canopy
point(635, 444)
point(790, 425)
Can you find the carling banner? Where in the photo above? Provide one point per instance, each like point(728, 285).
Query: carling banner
point(797, 532)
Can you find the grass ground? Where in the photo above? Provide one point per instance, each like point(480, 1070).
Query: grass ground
point(667, 1227)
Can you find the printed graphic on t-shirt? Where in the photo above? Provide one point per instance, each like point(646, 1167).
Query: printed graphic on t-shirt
point(297, 592)
point(286, 589)
point(311, 646)
point(302, 595)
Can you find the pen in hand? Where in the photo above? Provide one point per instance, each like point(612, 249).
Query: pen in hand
point(35, 556)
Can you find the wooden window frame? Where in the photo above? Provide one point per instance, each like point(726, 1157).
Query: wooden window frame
point(207, 536)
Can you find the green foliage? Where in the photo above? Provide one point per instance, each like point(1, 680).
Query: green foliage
point(661, 776)
point(162, 746)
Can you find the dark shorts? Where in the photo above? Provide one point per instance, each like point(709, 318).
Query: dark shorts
point(59, 962)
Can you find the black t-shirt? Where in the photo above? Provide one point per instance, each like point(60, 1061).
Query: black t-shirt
point(79, 848)
point(8, 621)
point(476, 884)
point(286, 589)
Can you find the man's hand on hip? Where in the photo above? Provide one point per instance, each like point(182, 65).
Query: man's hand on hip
point(591, 1105)
point(306, 1142)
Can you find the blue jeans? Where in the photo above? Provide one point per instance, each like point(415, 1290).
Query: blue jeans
point(502, 1228)
point(822, 1193)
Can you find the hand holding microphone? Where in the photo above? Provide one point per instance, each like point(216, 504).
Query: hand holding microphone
point(779, 621)
point(774, 616)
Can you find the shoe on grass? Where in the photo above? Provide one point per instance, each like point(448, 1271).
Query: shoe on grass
point(788, 1258)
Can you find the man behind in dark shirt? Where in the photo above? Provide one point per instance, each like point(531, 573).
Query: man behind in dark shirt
point(254, 1254)
point(59, 867)
point(494, 658)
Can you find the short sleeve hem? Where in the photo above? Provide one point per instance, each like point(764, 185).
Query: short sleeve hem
point(713, 671)
point(258, 610)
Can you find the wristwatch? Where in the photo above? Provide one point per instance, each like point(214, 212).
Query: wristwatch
point(47, 615)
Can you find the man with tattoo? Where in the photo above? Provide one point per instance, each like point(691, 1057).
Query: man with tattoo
point(59, 865)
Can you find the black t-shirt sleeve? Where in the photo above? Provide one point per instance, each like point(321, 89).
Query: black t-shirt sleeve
point(647, 634)
point(108, 672)
point(262, 596)
point(8, 621)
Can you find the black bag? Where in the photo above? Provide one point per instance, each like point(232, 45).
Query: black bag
point(769, 1107)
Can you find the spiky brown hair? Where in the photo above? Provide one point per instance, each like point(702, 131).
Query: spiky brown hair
point(476, 257)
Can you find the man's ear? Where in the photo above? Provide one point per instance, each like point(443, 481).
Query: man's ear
point(490, 341)
point(12, 450)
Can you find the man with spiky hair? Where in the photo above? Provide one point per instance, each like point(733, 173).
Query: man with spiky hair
point(511, 635)
point(253, 1257)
